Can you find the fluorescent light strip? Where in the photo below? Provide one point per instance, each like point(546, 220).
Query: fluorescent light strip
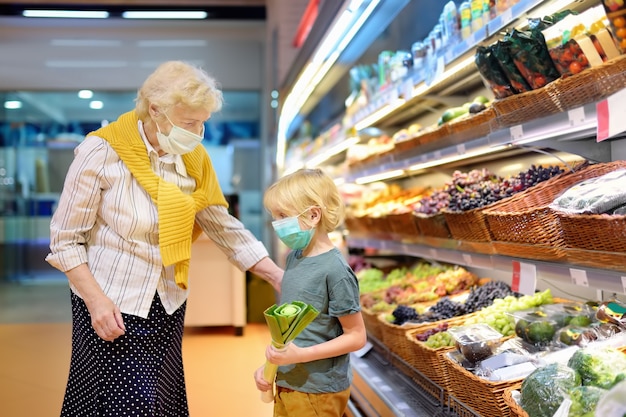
point(85, 42)
point(380, 177)
point(85, 64)
point(378, 114)
point(12, 104)
point(173, 14)
point(171, 43)
point(455, 158)
point(332, 151)
point(68, 14)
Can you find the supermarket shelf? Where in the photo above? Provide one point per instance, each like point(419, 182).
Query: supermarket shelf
point(607, 280)
point(385, 385)
point(571, 131)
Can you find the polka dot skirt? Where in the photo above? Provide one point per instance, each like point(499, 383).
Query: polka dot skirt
point(138, 374)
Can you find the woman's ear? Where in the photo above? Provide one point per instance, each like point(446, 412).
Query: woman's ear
point(154, 111)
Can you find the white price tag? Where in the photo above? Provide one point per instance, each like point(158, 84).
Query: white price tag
point(507, 15)
point(467, 259)
point(524, 279)
point(460, 149)
point(437, 154)
point(407, 89)
point(433, 253)
point(517, 133)
point(579, 277)
point(624, 285)
point(576, 116)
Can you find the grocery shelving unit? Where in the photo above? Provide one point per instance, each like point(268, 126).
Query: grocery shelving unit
point(384, 385)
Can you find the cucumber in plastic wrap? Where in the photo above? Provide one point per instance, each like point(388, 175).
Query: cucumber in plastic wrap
point(603, 194)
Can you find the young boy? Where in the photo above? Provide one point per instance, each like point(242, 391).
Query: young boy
point(314, 375)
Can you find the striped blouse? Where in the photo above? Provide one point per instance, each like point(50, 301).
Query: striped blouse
point(106, 219)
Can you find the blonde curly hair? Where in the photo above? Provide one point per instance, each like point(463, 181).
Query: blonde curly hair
point(178, 82)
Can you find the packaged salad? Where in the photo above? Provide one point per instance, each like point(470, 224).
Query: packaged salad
point(492, 73)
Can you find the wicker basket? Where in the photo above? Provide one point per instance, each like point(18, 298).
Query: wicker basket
point(394, 336)
point(595, 240)
point(373, 326)
point(515, 409)
point(525, 226)
point(524, 107)
point(433, 226)
point(468, 225)
point(591, 85)
point(483, 396)
point(472, 127)
point(427, 360)
point(403, 224)
point(424, 138)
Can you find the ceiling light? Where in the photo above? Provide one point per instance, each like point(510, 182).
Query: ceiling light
point(12, 104)
point(68, 14)
point(85, 94)
point(96, 105)
point(85, 64)
point(165, 14)
point(169, 43)
point(86, 42)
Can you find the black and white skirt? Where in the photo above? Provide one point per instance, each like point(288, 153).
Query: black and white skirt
point(138, 374)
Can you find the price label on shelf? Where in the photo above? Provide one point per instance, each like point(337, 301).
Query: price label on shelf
point(467, 259)
point(407, 89)
point(576, 116)
point(460, 148)
point(524, 279)
point(610, 114)
point(517, 133)
point(624, 285)
point(579, 277)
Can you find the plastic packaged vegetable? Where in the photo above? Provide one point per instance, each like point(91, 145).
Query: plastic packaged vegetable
point(593, 196)
point(544, 390)
point(530, 55)
point(613, 404)
point(492, 73)
point(502, 51)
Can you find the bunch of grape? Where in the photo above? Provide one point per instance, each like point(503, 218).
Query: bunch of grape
point(433, 203)
point(484, 295)
point(439, 340)
point(444, 309)
point(402, 314)
point(423, 336)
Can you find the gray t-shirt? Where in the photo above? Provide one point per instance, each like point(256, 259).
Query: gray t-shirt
point(326, 282)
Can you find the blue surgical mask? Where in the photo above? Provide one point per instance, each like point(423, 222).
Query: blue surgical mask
point(179, 141)
point(289, 232)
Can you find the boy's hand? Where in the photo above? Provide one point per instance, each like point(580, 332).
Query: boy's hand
point(261, 383)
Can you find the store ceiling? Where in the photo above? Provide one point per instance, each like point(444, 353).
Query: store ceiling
point(115, 55)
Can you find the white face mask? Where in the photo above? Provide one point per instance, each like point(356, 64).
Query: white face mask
point(179, 141)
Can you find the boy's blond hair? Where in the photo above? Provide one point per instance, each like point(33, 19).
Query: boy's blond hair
point(176, 82)
point(295, 193)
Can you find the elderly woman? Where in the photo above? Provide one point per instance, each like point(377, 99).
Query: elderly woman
point(136, 195)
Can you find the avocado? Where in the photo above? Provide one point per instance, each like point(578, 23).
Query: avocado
point(453, 113)
point(540, 332)
point(476, 108)
point(581, 321)
point(520, 328)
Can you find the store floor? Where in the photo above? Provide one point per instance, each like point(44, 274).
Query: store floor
point(35, 334)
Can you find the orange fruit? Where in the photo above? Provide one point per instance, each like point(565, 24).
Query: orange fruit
point(619, 22)
point(621, 33)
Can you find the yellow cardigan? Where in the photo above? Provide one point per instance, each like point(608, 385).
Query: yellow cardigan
point(177, 210)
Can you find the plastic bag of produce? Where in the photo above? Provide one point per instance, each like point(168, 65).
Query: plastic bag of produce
point(613, 404)
point(492, 73)
point(530, 55)
point(544, 390)
point(599, 367)
point(596, 195)
point(501, 50)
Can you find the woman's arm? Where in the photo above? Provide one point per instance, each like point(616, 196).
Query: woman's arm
point(241, 247)
point(353, 338)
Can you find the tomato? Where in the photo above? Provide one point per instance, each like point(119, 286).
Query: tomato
point(619, 22)
point(575, 67)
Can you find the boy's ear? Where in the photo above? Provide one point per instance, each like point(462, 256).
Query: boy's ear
point(316, 214)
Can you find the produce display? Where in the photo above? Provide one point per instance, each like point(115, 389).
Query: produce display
point(585, 381)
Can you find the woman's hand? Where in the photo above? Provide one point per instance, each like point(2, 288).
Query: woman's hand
point(106, 318)
point(288, 355)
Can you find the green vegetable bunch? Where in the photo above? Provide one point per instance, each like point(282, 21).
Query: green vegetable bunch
point(602, 368)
